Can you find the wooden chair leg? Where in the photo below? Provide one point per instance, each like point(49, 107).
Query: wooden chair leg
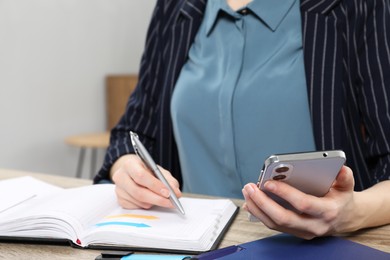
point(93, 162)
point(80, 162)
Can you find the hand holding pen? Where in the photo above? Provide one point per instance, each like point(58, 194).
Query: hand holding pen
point(138, 187)
point(148, 161)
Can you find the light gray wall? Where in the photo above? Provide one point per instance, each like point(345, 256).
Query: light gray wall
point(54, 56)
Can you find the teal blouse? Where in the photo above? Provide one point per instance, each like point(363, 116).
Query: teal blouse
point(241, 96)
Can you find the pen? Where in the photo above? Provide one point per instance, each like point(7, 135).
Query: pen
point(142, 153)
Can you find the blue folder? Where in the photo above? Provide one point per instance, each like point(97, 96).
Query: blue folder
point(283, 246)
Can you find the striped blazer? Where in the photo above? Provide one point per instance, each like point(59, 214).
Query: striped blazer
point(347, 64)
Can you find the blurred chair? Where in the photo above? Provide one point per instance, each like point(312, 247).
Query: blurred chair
point(118, 90)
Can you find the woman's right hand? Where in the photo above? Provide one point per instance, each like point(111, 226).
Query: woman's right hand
point(137, 187)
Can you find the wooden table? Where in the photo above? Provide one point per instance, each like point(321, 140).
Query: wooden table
point(241, 230)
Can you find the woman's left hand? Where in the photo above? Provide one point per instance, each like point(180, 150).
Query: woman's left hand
point(333, 213)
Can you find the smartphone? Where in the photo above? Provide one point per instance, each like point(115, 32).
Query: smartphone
point(311, 172)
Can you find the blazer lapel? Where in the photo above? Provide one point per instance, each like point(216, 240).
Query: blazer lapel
point(316, 6)
point(193, 9)
point(187, 18)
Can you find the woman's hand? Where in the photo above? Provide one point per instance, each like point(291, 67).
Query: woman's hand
point(137, 187)
point(336, 212)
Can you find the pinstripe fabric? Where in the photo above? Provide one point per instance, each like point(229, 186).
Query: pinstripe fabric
point(347, 62)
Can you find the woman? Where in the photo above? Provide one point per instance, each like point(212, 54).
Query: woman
point(223, 84)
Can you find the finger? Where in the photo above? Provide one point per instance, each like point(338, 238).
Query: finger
point(128, 202)
point(253, 209)
point(278, 218)
point(172, 181)
point(275, 216)
point(144, 198)
point(124, 182)
point(258, 203)
point(137, 194)
point(303, 202)
point(143, 176)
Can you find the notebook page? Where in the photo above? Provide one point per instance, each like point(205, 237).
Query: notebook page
point(79, 206)
point(62, 213)
point(165, 228)
point(20, 190)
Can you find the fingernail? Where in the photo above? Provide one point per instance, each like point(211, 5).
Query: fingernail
point(164, 192)
point(270, 186)
point(244, 193)
point(249, 189)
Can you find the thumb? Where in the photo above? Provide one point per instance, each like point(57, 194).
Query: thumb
point(344, 180)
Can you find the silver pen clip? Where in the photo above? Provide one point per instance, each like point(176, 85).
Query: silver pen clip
point(134, 136)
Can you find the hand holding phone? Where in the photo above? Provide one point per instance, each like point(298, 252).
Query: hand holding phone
point(310, 172)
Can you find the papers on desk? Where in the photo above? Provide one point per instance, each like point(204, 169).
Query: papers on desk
point(89, 216)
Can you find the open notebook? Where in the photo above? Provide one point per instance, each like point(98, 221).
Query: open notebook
point(90, 217)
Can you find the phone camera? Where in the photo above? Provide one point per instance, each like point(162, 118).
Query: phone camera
point(279, 177)
point(282, 169)
point(282, 172)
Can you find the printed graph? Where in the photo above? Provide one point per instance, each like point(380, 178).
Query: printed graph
point(130, 220)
